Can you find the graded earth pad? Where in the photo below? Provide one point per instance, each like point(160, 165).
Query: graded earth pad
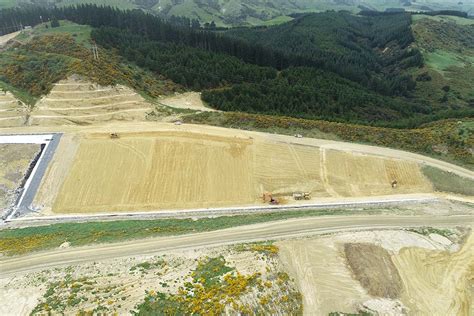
point(12, 111)
point(351, 174)
point(183, 170)
point(77, 101)
point(15, 160)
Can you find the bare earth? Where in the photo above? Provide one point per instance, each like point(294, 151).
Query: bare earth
point(14, 162)
point(184, 170)
point(187, 100)
point(434, 281)
point(5, 38)
point(77, 101)
point(437, 282)
point(12, 111)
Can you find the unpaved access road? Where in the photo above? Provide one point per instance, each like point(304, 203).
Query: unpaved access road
point(250, 233)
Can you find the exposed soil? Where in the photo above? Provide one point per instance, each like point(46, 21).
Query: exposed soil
point(179, 170)
point(12, 111)
point(15, 160)
point(437, 282)
point(79, 102)
point(374, 269)
point(187, 100)
point(389, 264)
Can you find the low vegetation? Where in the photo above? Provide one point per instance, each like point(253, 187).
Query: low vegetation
point(35, 63)
point(24, 240)
point(431, 230)
point(448, 182)
point(217, 288)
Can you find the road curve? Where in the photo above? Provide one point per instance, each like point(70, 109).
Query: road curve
point(263, 231)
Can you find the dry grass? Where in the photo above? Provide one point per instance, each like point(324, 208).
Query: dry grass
point(372, 266)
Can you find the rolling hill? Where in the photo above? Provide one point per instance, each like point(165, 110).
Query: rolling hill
point(251, 12)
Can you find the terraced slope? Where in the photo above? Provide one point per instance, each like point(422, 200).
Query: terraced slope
point(77, 101)
point(12, 111)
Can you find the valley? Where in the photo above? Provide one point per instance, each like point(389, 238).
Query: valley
point(151, 166)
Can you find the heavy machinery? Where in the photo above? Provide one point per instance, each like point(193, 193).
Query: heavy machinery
point(268, 198)
point(394, 184)
point(302, 196)
point(114, 135)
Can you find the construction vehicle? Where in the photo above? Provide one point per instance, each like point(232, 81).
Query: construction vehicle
point(394, 184)
point(268, 198)
point(302, 196)
point(114, 135)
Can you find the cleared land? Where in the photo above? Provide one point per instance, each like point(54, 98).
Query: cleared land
point(179, 170)
point(76, 101)
point(437, 282)
point(187, 100)
point(12, 111)
point(14, 162)
point(398, 272)
point(5, 38)
point(372, 266)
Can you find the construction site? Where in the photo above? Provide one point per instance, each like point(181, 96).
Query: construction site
point(86, 152)
point(117, 200)
point(173, 167)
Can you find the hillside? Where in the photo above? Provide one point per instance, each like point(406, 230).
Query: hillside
point(447, 45)
point(333, 66)
point(248, 12)
point(246, 76)
point(36, 59)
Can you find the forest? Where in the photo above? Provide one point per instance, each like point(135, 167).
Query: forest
point(333, 65)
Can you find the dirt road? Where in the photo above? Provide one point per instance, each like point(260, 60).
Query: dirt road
point(250, 233)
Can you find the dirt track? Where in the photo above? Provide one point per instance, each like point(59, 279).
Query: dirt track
point(265, 231)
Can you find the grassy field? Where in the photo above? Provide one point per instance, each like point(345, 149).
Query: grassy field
point(440, 60)
point(24, 240)
point(448, 182)
point(80, 33)
point(278, 20)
